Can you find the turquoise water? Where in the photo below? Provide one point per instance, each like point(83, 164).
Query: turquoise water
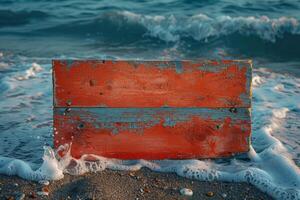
point(34, 32)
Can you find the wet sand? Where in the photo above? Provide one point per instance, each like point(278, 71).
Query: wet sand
point(108, 184)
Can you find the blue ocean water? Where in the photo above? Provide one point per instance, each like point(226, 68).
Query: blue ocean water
point(32, 32)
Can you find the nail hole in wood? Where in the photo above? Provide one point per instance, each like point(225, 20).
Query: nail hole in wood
point(233, 110)
point(92, 82)
point(69, 103)
point(80, 126)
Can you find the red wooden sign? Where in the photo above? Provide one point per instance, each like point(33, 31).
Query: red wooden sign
point(152, 109)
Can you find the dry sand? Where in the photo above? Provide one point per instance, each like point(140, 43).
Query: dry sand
point(143, 184)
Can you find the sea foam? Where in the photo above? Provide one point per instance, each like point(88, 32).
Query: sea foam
point(202, 27)
point(31, 72)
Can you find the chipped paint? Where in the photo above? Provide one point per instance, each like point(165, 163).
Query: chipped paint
point(179, 68)
point(156, 132)
point(148, 84)
point(153, 109)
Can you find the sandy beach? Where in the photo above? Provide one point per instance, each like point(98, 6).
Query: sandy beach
point(108, 184)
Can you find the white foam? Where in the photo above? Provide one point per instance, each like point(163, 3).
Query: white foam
point(257, 80)
point(202, 27)
point(49, 170)
point(4, 65)
point(31, 72)
point(280, 113)
point(279, 87)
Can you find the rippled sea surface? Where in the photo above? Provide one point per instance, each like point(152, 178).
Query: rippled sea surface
point(33, 32)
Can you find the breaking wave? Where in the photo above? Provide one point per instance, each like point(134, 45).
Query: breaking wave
point(202, 27)
point(171, 28)
point(274, 38)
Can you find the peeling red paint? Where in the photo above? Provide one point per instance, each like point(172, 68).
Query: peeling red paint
point(195, 138)
point(149, 84)
point(209, 118)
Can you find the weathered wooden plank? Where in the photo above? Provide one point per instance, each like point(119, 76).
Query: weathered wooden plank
point(209, 84)
point(153, 133)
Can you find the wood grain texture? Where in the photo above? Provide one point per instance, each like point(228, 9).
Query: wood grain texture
point(152, 109)
point(153, 133)
point(124, 84)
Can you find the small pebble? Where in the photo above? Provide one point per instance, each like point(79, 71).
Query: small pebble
point(44, 182)
point(156, 180)
point(186, 192)
point(16, 184)
point(146, 190)
point(21, 197)
point(42, 193)
point(32, 195)
point(224, 195)
point(45, 189)
point(131, 174)
point(209, 194)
